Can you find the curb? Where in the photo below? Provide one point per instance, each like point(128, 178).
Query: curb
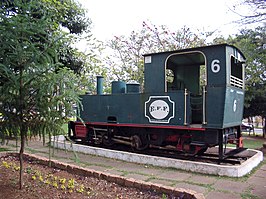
point(128, 182)
point(186, 165)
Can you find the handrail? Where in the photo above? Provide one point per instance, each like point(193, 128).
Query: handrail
point(204, 105)
point(185, 113)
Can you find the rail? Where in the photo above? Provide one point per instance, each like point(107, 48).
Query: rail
point(236, 82)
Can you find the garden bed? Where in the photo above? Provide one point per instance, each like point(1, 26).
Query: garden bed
point(68, 181)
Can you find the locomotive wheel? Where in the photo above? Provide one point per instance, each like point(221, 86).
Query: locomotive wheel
point(107, 137)
point(89, 137)
point(106, 141)
point(137, 144)
point(194, 151)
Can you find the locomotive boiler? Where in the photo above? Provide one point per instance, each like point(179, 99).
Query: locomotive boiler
point(192, 100)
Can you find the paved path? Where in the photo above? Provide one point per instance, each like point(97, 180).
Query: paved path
point(213, 187)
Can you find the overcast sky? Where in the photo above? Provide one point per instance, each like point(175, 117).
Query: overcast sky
point(120, 17)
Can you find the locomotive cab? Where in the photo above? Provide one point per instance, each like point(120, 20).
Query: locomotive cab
point(211, 79)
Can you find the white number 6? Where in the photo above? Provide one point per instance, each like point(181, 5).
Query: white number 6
point(234, 106)
point(215, 66)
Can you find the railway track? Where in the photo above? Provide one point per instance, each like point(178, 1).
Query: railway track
point(211, 157)
point(206, 157)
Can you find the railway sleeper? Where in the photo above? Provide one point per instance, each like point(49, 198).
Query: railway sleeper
point(234, 152)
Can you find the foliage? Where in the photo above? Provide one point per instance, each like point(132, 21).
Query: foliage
point(67, 13)
point(67, 16)
point(36, 91)
point(127, 62)
point(32, 84)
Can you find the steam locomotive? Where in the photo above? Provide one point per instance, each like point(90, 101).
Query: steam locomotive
point(192, 100)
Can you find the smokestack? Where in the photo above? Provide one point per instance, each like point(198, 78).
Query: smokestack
point(99, 85)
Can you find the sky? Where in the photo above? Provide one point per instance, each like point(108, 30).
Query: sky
point(120, 17)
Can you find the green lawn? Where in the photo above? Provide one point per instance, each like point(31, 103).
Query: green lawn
point(65, 127)
point(3, 149)
point(253, 143)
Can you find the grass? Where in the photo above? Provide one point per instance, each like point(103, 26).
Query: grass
point(3, 149)
point(65, 127)
point(253, 144)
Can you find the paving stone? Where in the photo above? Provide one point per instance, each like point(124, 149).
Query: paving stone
point(42, 155)
point(137, 176)
point(260, 191)
point(90, 159)
point(99, 160)
point(161, 182)
point(196, 188)
point(174, 175)
point(263, 167)
point(69, 161)
point(64, 155)
point(151, 171)
point(260, 173)
point(254, 180)
point(222, 195)
point(232, 186)
point(115, 172)
point(97, 168)
point(129, 167)
point(199, 179)
point(112, 163)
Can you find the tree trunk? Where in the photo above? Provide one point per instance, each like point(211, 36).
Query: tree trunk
point(22, 126)
point(50, 163)
point(264, 126)
point(23, 132)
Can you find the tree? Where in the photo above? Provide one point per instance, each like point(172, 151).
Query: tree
point(257, 11)
point(36, 91)
point(127, 62)
point(256, 76)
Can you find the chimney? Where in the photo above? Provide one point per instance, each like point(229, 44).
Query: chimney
point(99, 85)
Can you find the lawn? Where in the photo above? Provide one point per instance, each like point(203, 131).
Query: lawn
point(65, 127)
point(254, 143)
point(3, 149)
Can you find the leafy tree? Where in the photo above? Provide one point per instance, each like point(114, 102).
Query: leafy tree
point(36, 91)
point(127, 62)
point(256, 73)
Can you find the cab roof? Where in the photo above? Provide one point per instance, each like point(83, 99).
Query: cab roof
point(196, 49)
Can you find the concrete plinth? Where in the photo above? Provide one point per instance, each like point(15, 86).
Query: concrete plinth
point(200, 167)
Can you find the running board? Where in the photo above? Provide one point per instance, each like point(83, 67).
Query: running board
point(196, 143)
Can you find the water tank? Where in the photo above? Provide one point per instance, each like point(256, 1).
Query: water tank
point(133, 88)
point(118, 87)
